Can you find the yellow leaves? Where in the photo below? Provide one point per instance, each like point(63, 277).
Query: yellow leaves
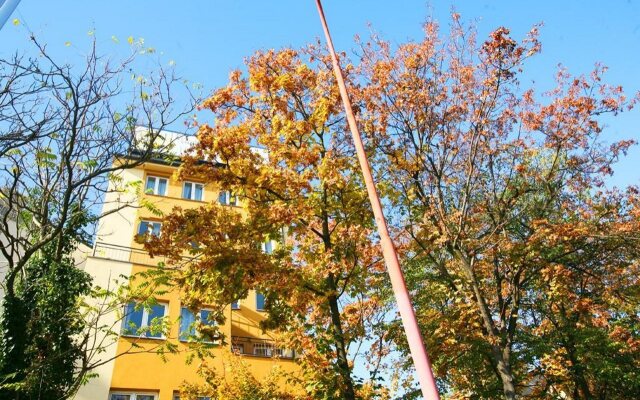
point(16, 22)
point(130, 40)
point(67, 44)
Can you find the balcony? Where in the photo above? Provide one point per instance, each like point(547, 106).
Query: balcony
point(254, 347)
point(125, 254)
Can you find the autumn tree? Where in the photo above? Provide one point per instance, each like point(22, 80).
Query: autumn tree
point(66, 132)
point(278, 142)
point(523, 266)
point(237, 383)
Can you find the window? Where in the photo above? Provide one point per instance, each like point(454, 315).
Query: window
point(177, 397)
point(283, 353)
point(260, 301)
point(227, 198)
point(193, 191)
point(188, 324)
point(235, 305)
point(156, 185)
point(267, 247)
point(132, 396)
point(263, 349)
point(149, 228)
point(142, 321)
point(237, 348)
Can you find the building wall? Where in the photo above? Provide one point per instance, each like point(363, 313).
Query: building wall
point(145, 371)
point(107, 274)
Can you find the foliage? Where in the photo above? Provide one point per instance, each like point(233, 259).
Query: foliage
point(279, 143)
point(67, 132)
point(237, 382)
point(523, 267)
point(38, 350)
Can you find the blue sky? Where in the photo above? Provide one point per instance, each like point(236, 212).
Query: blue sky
point(208, 38)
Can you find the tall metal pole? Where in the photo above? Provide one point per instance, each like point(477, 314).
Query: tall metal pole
point(414, 337)
point(6, 9)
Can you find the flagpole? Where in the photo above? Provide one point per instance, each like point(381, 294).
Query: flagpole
point(409, 321)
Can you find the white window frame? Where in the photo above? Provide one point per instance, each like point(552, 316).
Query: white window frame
point(193, 190)
point(264, 246)
point(237, 348)
point(156, 185)
point(150, 223)
point(227, 198)
point(197, 334)
point(144, 324)
point(267, 348)
point(283, 352)
point(134, 395)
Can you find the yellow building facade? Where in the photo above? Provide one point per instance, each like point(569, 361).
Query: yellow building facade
point(132, 370)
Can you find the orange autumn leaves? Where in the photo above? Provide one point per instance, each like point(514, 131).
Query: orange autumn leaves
point(518, 260)
point(277, 141)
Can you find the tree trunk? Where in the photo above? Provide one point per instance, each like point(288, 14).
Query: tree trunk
point(341, 351)
point(501, 355)
point(506, 375)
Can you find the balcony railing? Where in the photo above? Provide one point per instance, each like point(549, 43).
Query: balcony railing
point(255, 347)
point(125, 254)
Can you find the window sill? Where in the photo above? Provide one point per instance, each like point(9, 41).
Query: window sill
point(131, 336)
point(187, 341)
point(175, 198)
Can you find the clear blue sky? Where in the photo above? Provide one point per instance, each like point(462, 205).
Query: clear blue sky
point(208, 38)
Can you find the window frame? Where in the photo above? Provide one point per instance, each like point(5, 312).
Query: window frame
point(188, 339)
point(264, 301)
point(177, 397)
point(134, 394)
point(268, 349)
point(156, 185)
point(264, 248)
point(150, 223)
point(228, 195)
point(235, 305)
point(144, 323)
point(193, 190)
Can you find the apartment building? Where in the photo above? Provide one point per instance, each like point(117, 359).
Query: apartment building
point(116, 254)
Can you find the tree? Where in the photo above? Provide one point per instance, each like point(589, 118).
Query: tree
point(40, 360)
point(523, 267)
point(66, 132)
point(300, 186)
point(237, 383)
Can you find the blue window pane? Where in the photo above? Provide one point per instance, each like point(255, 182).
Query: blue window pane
point(132, 319)
point(145, 397)
point(204, 317)
point(120, 397)
point(198, 194)
point(235, 305)
point(222, 197)
point(187, 319)
point(156, 229)
point(151, 184)
point(162, 187)
point(268, 247)
point(186, 191)
point(155, 315)
point(259, 301)
point(143, 228)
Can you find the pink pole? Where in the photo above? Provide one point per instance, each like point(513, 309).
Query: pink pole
point(414, 337)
